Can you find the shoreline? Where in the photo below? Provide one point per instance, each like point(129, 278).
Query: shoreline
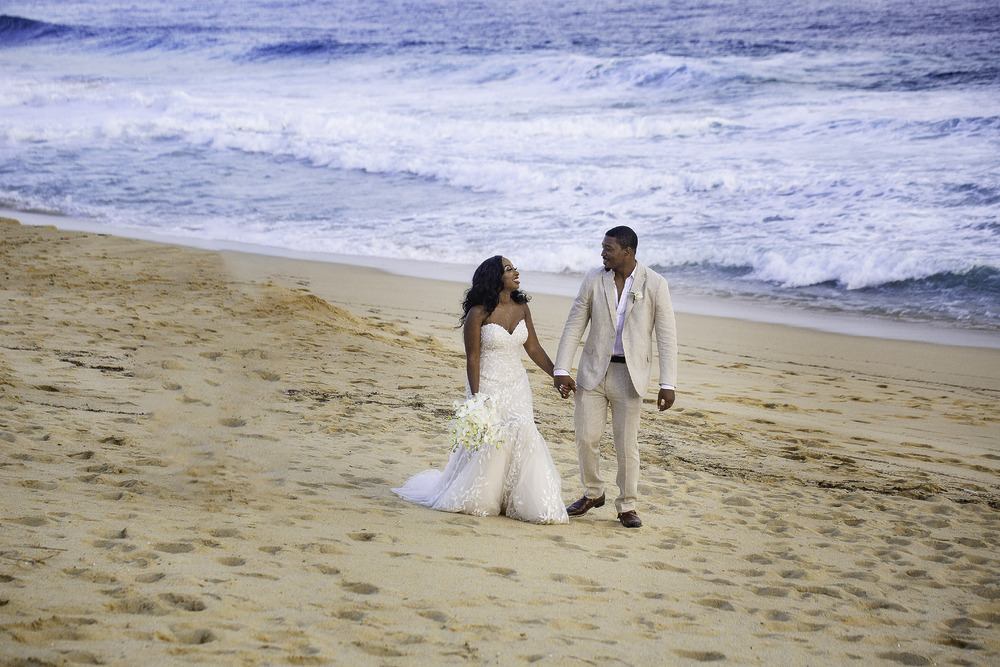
point(562, 285)
point(198, 451)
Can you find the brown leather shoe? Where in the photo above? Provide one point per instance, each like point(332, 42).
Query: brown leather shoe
point(630, 519)
point(584, 505)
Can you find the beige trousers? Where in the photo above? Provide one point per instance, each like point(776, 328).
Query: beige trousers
point(590, 420)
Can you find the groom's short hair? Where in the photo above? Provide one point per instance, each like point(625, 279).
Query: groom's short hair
point(625, 237)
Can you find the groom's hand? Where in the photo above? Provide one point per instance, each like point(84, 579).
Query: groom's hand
point(564, 385)
point(665, 399)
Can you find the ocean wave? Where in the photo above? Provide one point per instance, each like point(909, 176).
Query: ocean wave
point(561, 71)
point(313, 48)
point(861, 269)
point(970, 297)
point(725, 77)
point(558, 158)
point(969, 126)
point(912, 79)
point(141, 39)
point(19, 31)
point(16, 30)
point(973, 195)
point(976, 279)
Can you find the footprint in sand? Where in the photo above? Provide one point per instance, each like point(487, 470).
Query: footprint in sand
point(185, 602)
point(777, 616)
point(701, 656)
point(502, 571)
point(360, 588)
point(433, 615)
point(906, 658)
point(39, 485)
point(760, 559)
point(716, 603)
point(665, 567)
point(355, 615)
point(137, 604)
point(231, 561)
point(771, 591)
point(362, 537)
point(588, 585)
point(195, 636)
point(89, 575)
point(174, 547)
point(32, 521)
point(224, 532)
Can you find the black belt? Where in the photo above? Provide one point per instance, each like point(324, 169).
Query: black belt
point(617, 359)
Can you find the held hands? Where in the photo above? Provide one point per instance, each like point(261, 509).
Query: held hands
point(564, 385)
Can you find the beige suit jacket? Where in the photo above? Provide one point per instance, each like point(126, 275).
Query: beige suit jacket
point(648, 312)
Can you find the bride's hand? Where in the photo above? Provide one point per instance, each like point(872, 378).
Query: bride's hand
point(564, 385)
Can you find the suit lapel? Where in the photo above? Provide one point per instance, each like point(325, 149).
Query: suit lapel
point(638, 286)
point(611, 294)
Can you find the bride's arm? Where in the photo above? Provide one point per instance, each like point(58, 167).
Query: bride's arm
point(534, 348)
point(473, 339)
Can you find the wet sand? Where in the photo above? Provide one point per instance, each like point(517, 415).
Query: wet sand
point(197, 450)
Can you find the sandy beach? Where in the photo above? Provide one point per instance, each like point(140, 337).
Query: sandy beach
point(197, 450)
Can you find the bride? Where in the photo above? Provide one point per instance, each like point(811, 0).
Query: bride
point(515, 475)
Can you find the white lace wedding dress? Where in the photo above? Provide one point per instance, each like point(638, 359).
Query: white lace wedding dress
point(519, 479)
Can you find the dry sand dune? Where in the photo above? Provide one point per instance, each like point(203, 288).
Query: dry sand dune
point(197, 450)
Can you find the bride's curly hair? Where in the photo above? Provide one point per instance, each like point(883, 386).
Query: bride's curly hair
point(487, 284)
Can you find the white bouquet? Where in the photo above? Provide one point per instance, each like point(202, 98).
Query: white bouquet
point(474, 423)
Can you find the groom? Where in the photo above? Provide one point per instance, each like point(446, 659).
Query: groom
point(624, 303)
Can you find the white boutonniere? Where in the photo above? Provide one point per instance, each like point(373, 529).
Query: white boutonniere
point(636, 296)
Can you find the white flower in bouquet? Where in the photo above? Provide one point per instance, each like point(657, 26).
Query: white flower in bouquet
point(474, 423)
